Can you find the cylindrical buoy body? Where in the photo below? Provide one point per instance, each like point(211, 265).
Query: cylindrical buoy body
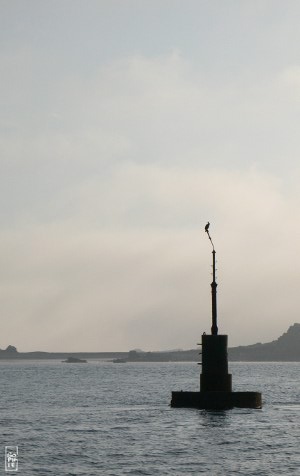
point(215, 376)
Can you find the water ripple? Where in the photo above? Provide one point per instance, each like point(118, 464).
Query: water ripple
point(105, 419)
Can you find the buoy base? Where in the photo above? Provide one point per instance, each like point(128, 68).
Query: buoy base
point(216, 400)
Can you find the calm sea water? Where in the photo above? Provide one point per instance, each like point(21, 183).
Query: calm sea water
point(102, 418)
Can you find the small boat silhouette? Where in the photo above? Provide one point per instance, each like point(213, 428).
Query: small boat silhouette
point(74, 360)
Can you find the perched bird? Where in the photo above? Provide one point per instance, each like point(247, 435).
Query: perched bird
point(207, 227)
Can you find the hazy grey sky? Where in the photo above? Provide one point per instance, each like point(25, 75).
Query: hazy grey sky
point(124, 126)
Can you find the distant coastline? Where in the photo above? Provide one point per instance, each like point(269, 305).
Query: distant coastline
point(284, 349)
point(12, 353)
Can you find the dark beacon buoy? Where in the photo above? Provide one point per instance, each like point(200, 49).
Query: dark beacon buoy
point(215, 381)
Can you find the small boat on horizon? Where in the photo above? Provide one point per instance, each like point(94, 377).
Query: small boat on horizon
point(74, 360)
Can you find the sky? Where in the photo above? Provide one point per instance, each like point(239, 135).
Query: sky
point(126, 125)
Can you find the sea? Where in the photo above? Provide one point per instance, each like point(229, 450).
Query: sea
point(103, 418)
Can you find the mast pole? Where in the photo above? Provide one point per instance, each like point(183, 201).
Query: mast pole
point(214, 327)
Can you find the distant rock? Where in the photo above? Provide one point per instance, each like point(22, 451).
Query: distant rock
point(11, 348)
point(9, 353)
point(74, 360)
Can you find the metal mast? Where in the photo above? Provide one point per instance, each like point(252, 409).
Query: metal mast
point(214, 327)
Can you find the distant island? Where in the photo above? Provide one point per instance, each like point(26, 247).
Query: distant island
point(12, 353)
point(284, 349)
